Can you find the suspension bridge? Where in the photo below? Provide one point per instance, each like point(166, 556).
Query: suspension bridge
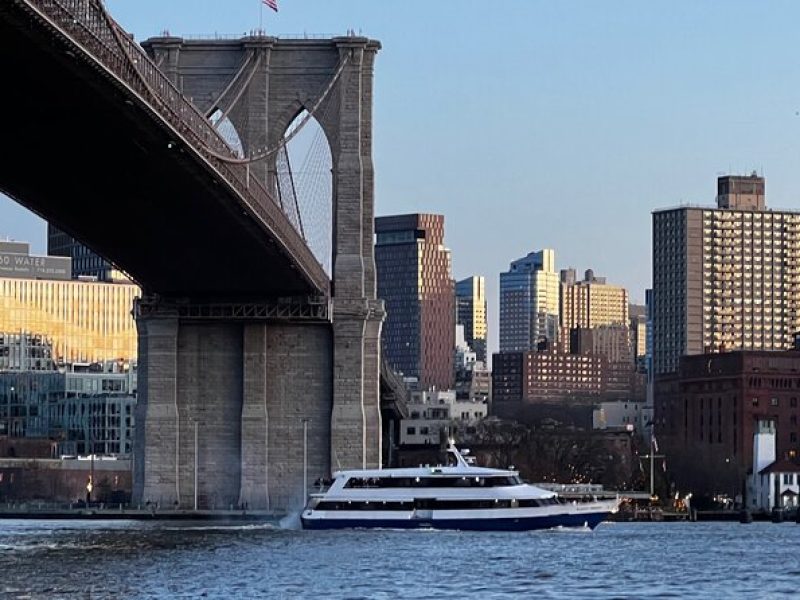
point(259, 328)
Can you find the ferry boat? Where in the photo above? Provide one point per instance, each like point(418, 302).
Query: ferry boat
point(461, 496)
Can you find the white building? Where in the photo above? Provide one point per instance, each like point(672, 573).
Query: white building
point(432, 414)
point(773, 483)
point(622, 415)
point(465, 357)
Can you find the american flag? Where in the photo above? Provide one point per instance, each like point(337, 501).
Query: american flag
point(273, 4)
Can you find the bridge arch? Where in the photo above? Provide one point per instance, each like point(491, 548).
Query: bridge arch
point(304, 169)
point(228, 131)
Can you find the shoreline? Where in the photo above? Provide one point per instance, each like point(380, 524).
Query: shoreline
point(133, 514)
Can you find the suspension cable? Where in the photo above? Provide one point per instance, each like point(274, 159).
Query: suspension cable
point(240, 92)
point(267, 152)
point(215, 104)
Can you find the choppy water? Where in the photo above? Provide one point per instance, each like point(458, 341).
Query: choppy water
point(145, 560)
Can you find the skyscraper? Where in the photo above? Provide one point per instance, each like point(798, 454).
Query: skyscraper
point(85, 262)
point(413, 276)
point(529, 302)
point(471, 313)
point(724, 278)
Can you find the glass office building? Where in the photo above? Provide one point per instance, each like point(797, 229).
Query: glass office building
point(529, 310)
point(65, 322)
point(89, 411)
point(85, 261)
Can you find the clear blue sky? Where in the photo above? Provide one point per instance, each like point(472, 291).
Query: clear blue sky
point(558, 124)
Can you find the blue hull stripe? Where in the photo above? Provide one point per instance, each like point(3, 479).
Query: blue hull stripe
point(591, 520)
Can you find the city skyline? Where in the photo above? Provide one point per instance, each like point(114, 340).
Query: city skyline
point(565, 121)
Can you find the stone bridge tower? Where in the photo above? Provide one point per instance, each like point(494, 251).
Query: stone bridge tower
point(273, 377)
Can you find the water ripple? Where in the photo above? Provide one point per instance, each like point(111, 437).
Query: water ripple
point(146, 560)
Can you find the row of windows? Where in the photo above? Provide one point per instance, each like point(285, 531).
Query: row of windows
point(436, 504)
point(431, 482)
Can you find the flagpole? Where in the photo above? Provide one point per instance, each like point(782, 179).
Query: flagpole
point(260, 17)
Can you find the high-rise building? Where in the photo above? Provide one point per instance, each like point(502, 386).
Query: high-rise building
point(414, 281)
point(724, 278)
point(591, 302)
point(638, 325)
point(471, 313)
point(85, 262)
point(529, 302)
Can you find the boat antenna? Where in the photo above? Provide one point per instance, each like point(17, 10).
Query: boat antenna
point(460, 459)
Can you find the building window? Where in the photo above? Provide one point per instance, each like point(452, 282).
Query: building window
point(411, 430)
point(774, 401)
point(755, 401)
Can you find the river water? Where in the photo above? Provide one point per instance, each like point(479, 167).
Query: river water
point(618, 560)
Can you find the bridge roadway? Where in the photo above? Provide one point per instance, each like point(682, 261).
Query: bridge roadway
point(88, 152)
point(240, 376)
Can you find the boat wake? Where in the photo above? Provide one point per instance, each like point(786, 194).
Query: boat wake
point(291, 522)
point(579, 530)
point(248, 527)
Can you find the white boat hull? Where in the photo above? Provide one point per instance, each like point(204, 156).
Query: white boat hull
point(589, 515)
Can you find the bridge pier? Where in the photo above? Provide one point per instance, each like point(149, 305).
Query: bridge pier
point(288, 389)
point(241, 407)
point(155, 471)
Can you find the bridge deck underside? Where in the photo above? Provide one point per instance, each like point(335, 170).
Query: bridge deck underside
point(77, 150)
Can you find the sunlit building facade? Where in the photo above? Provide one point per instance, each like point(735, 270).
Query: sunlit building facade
point(726, 278)
point(82, 322)
point(529, 311)
point(592, 302)
point(471, 313)
point(48, 323)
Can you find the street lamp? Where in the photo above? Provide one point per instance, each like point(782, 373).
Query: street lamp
point(305, 461)
point(196, 462)
point(90, 483)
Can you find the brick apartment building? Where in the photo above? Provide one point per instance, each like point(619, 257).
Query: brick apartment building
point(705, 415)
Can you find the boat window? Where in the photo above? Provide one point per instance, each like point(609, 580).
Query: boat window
point(529, 503)
point(432, 482)
point(417, 504)
point(363, 482)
